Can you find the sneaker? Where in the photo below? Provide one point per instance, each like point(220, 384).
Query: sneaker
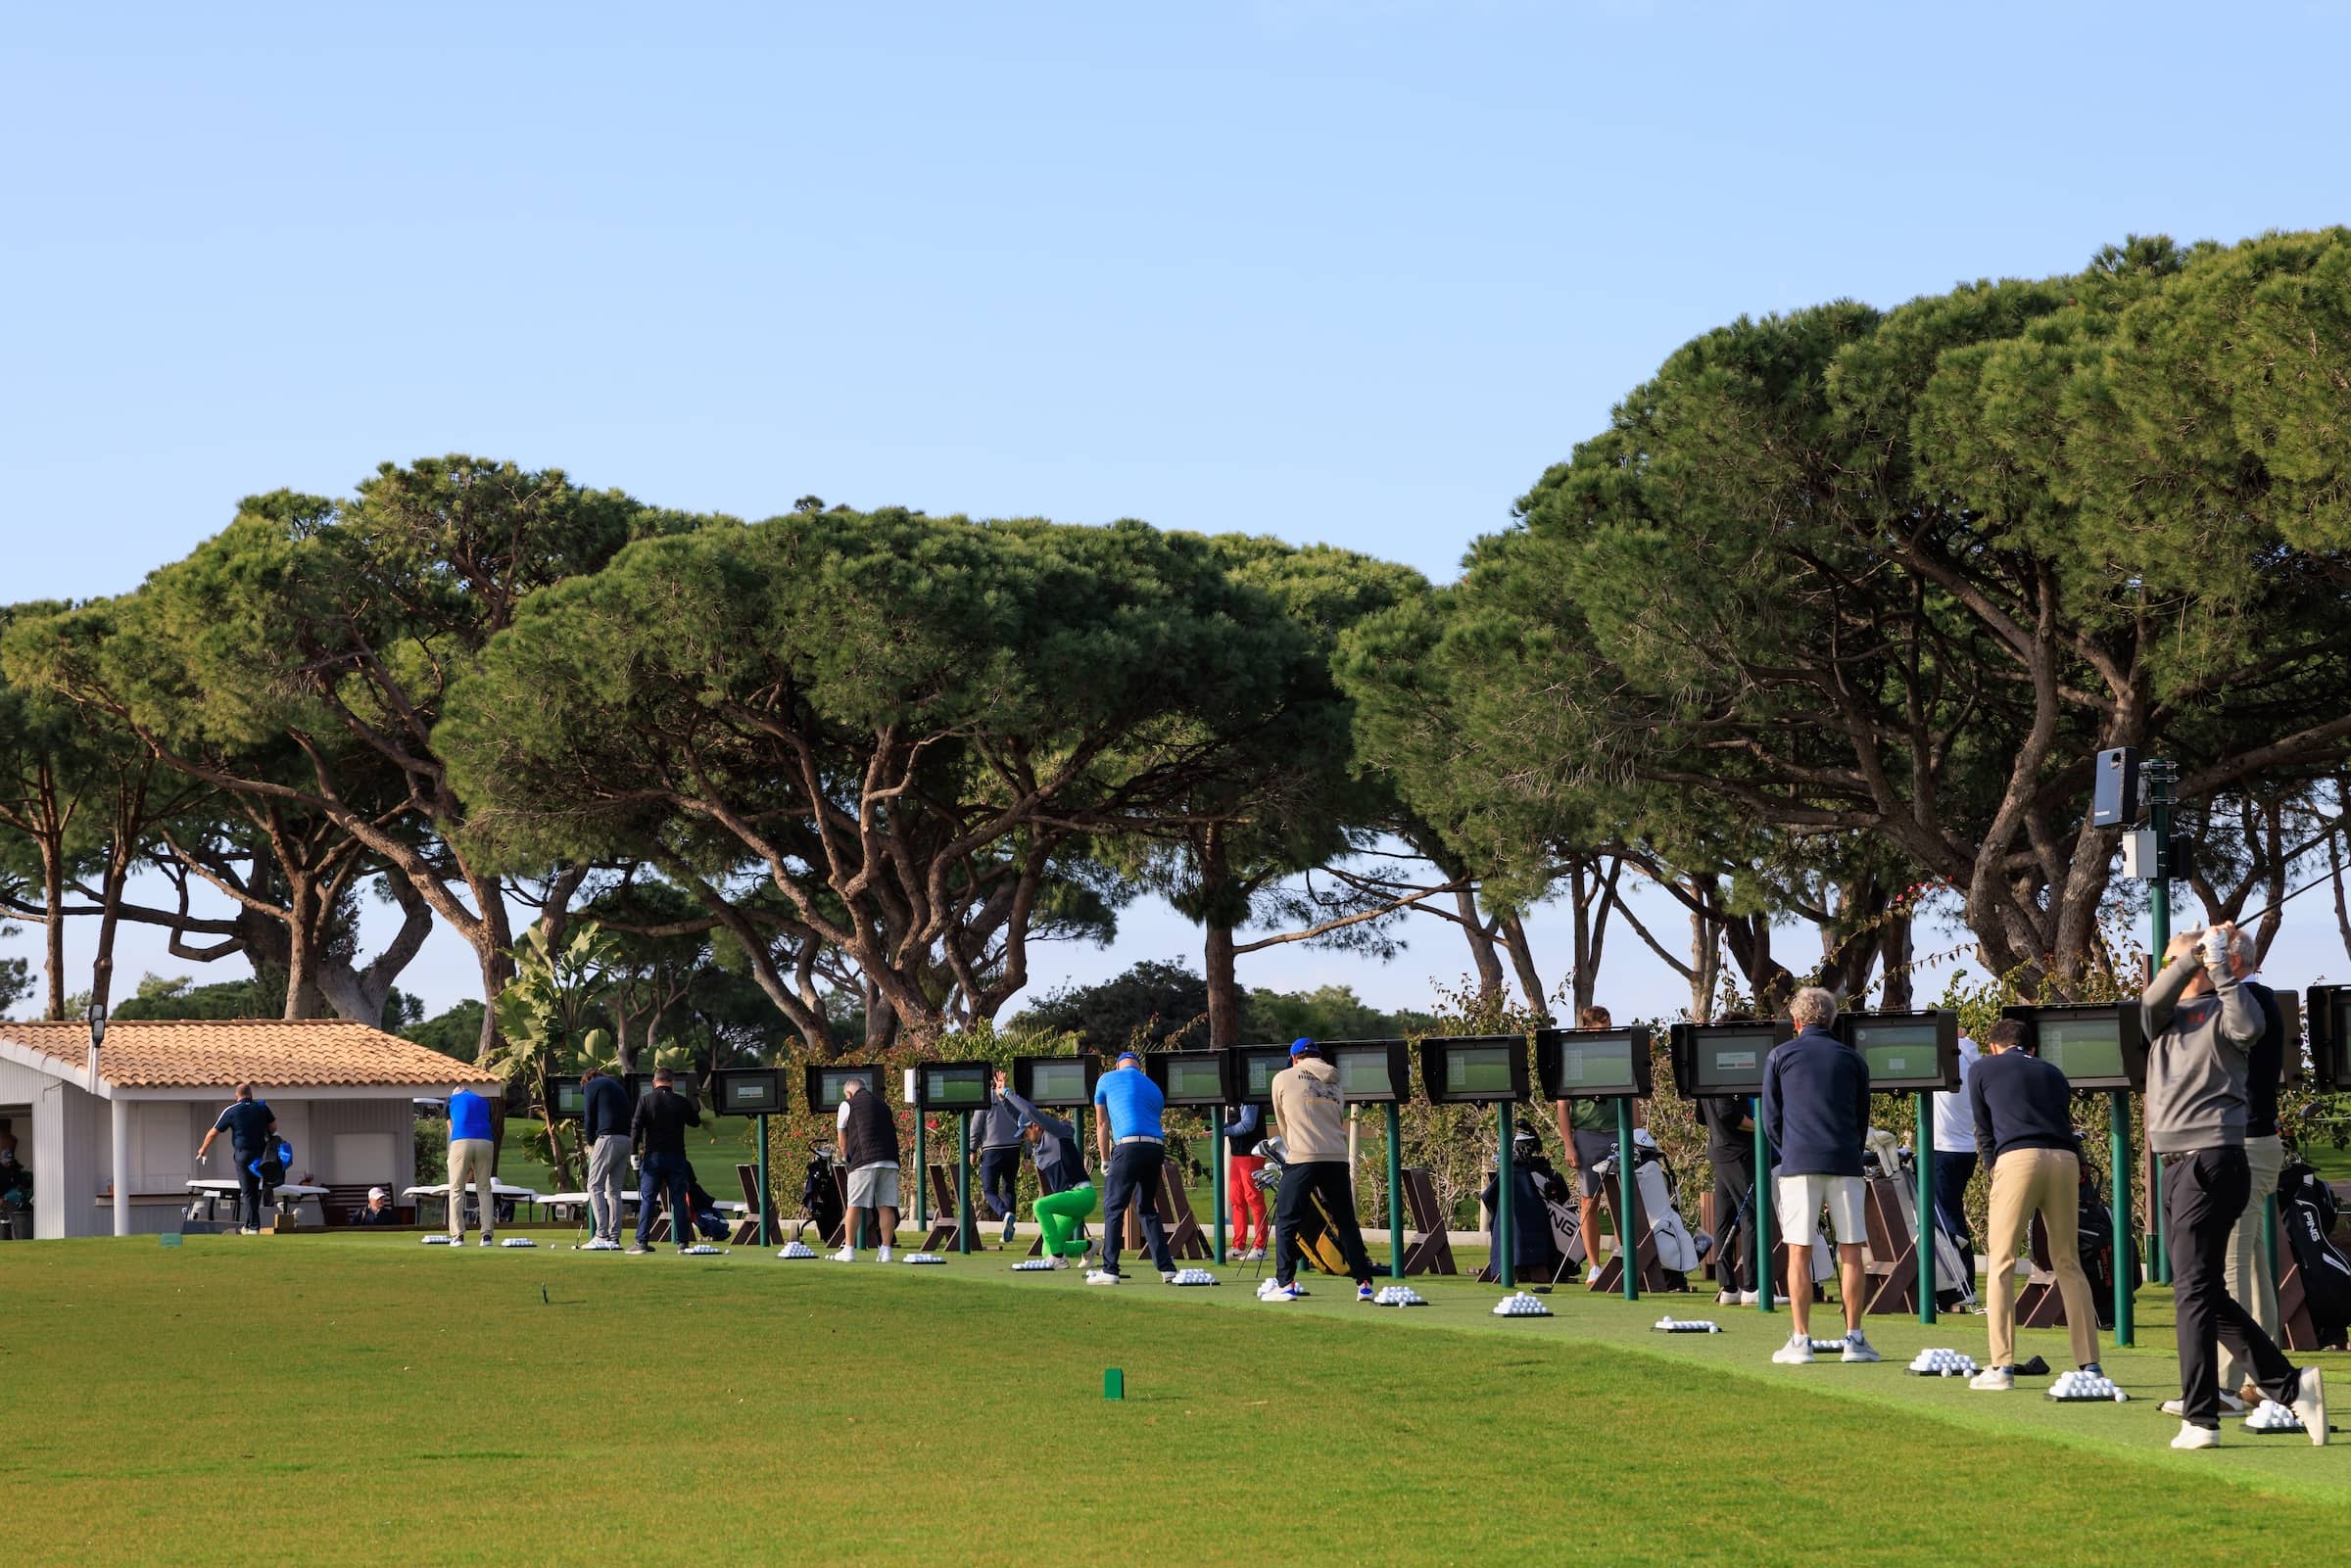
point(2197, 1437)
point(1272, 1292)
point(486, 1241)
point(1058, 1262)
point(1797, 1352)
point(882, 1254)
point(2309, 1403)
point(1008, 1222)
point(1857, 1347)
point(2230, 1405)
point(1364, 1293)
point(640, 1251)
point(1726, 1298)
point(248, 1230)
point(1166, 1276)
point(1993, 1380)
point(2093, 1369)
point(1257, 1254)
point(1748, 1298)
point(847, 1254)
point(1102, 1276)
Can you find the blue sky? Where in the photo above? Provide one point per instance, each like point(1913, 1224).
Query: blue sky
point(1343, 271)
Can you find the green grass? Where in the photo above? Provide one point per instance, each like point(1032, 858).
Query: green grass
point(364, 1399)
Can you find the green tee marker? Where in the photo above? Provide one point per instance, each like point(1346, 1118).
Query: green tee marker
point(1113, 1384)
point(170, 1238)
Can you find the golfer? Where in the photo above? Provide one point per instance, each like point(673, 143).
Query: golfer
point(1588, 1138)
point(868, 1138)
point(248, 1124)
point(1244, 1145)
point(1310, 1115)
point(1731, 1150)
point(604, 1131)
point(2247, 1274)
point(1065, 1192)
point(1955, 1157)
point(657, 1133)
point(1816, 1111)
point(473, 1156)
point(1000, 1157)
point(2202, 1027)
point(1133, 1145)
point(2022, 1107)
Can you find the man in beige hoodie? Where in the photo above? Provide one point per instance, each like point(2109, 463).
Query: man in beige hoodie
point(1311, 1115)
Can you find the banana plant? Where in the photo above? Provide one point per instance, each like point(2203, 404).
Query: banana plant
point(543, 1015)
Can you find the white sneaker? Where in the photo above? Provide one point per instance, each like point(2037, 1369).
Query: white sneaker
point(2198, 1437)
point(1058, 1262)
point(1101, 1276)
point(1273, 1292)
point(2309, 1403)
point(847, 1254)
point(486, 1240)
point(1726, 1298)
point(882, 1254)
point(1255, 1254)
point(1993, 1380)
point(1857, 1347)
point(1748, 1298)
point(2230, 1405)
point(1166, 1276)
point(1797, 1352)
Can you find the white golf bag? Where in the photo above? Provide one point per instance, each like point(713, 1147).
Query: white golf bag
point(1951, 1279)
point(1677, 1249)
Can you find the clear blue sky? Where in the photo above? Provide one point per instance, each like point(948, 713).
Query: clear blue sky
point(1342, 271)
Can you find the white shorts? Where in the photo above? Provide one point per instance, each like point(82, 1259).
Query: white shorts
point(1796, 1201)
point(874, 1187)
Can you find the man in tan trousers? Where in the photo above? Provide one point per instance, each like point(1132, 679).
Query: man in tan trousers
point(472, 1152)
point(2025, 1135)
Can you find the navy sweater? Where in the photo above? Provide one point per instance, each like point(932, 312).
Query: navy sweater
point(1816, 1105)
point(2020, 1102)
point(604, 1110)
point(1060, 1160)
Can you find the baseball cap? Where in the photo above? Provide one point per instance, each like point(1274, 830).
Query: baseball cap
point(1130, 1056)
point(374, 1193)
point(1301, 1045)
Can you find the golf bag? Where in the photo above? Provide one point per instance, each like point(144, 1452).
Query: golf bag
point(1537, 1201)
point(820, 1197)
point(2094, 1227)
point(2306, 1212)
point(1952, 1286)
point(1678, 1251)
point(1317, 1235)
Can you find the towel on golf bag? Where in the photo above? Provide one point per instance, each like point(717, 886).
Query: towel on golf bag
point(2306, 1214)
point(1882, 1156)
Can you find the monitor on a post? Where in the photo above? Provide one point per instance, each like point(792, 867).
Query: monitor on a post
point(2328, 1011)
point(826, 1083)
point(1370, 1072)
point(1906, 1052)
point(1474, 1069)
point(2289, 1049)
point(1056, 1082)
point(566, 1099)
point(1189, 1078)
point(748, 1091)
point(1711, 1060)
point(2095, 1045)
point(1594, 1064)
point(640, 1084)
point(952, 1086)
point(1254, 1069)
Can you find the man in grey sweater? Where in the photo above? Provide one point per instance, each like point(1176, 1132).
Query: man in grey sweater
point(2202, 1026)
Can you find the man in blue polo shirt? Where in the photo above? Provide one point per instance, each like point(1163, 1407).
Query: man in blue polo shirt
point(473, 1152)
point(249, 1122)
point(1133, 1146)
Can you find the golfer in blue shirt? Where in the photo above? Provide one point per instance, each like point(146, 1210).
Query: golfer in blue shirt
point(1133, 1146)
point(249, 1122)
point(473, 1152)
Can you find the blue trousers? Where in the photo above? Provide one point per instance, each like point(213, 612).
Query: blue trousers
point(1134, 1175)
point(999, 1178)
point(656, 1174)
point(1951, 1175)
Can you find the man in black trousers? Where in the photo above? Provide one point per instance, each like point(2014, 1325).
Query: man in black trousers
point(1731, 1150)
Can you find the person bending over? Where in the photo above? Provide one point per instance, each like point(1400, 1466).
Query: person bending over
point(1817, 1112)
point(2202, 1027)
point(2022, 1107)
point(1309, 1112)
point(1066, 1193)
point(1000, 1157)
point(1244, 1142)
point(869, 1146)
point(1132, 1142)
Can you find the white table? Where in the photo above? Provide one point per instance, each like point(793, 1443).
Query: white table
point(286, 1197)
point(521, 1196)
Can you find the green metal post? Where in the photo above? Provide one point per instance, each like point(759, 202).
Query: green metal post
point(1395, 1193)
point(2118, 1104)
point(765, 1240)
point(1628, 1244)
point(1924, 1140)
point(921, 1174)
point(963, 1182)
point(1762, 1205)
point(1506, 1240)
point(2159, 909)
point(1215, 1178)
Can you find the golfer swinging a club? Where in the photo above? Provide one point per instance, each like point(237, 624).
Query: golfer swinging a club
point(1312, 1114)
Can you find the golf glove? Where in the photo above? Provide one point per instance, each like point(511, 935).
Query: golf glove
point(2216, 951)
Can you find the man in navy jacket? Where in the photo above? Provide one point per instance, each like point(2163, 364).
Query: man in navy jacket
point(1817, 1112)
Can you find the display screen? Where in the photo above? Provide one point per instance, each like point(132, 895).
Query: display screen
point(1733, 1063)
point(1196, 1080)
point(750, 1094)
point(1258, 1068)
point(1057, 1082)
point(1473, 1069)
point(832, 1085)
point(955, 1088)
point(2083, 1048)
point(1597, 1065)
point(1364, 1073)
point(1896, 1050)
point(571, 1097)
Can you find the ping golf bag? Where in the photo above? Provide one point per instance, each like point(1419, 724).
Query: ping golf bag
point(1539, 1201)
point(2306, 1212)
point(820, 1197)
point(1952, 1286)
point(2095, 1229)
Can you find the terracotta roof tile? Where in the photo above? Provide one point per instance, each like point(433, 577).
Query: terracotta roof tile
point(275, 1052)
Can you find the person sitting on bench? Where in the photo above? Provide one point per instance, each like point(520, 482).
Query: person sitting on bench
point(1066, 1193)
point(378, 1209)
point(2023, 1110)
point(1310, 1114)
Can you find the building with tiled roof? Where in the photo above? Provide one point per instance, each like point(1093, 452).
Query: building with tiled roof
point(110, 1132)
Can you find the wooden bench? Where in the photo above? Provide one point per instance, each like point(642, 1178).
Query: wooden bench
point(343, 1201)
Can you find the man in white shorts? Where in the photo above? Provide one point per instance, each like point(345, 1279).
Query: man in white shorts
point(1816, 1111)
point(869, 1146)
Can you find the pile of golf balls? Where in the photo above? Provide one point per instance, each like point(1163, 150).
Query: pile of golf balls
point(1670, 1325)
point(924, 1258)
point(2270, 1416)
point(796, 1249)
point(1823, 1346)
point(1941, 1364)
point(440, 1241)
point(704, 1250)
point(1398, 1296)
point(1521, 1305)
point(518, 1241)
point(2080, 1385)
point(1032, 1265)
point(1193, 1276)
point(596, 1244)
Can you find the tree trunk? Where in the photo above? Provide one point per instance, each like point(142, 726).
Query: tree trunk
point(1218, 959)
point(53, 934)
point(1481, 946)
point(1895, 952)
point(1523, 960)
point(1706, 966)
point(303, 923)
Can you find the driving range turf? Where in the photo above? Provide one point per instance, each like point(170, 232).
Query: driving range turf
point(351, 1399)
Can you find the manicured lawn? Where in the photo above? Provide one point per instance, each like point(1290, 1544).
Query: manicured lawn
point(368, 1399)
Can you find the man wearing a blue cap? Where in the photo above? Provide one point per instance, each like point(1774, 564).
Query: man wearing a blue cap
point(1133, 1146)
point(1312, 1114)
